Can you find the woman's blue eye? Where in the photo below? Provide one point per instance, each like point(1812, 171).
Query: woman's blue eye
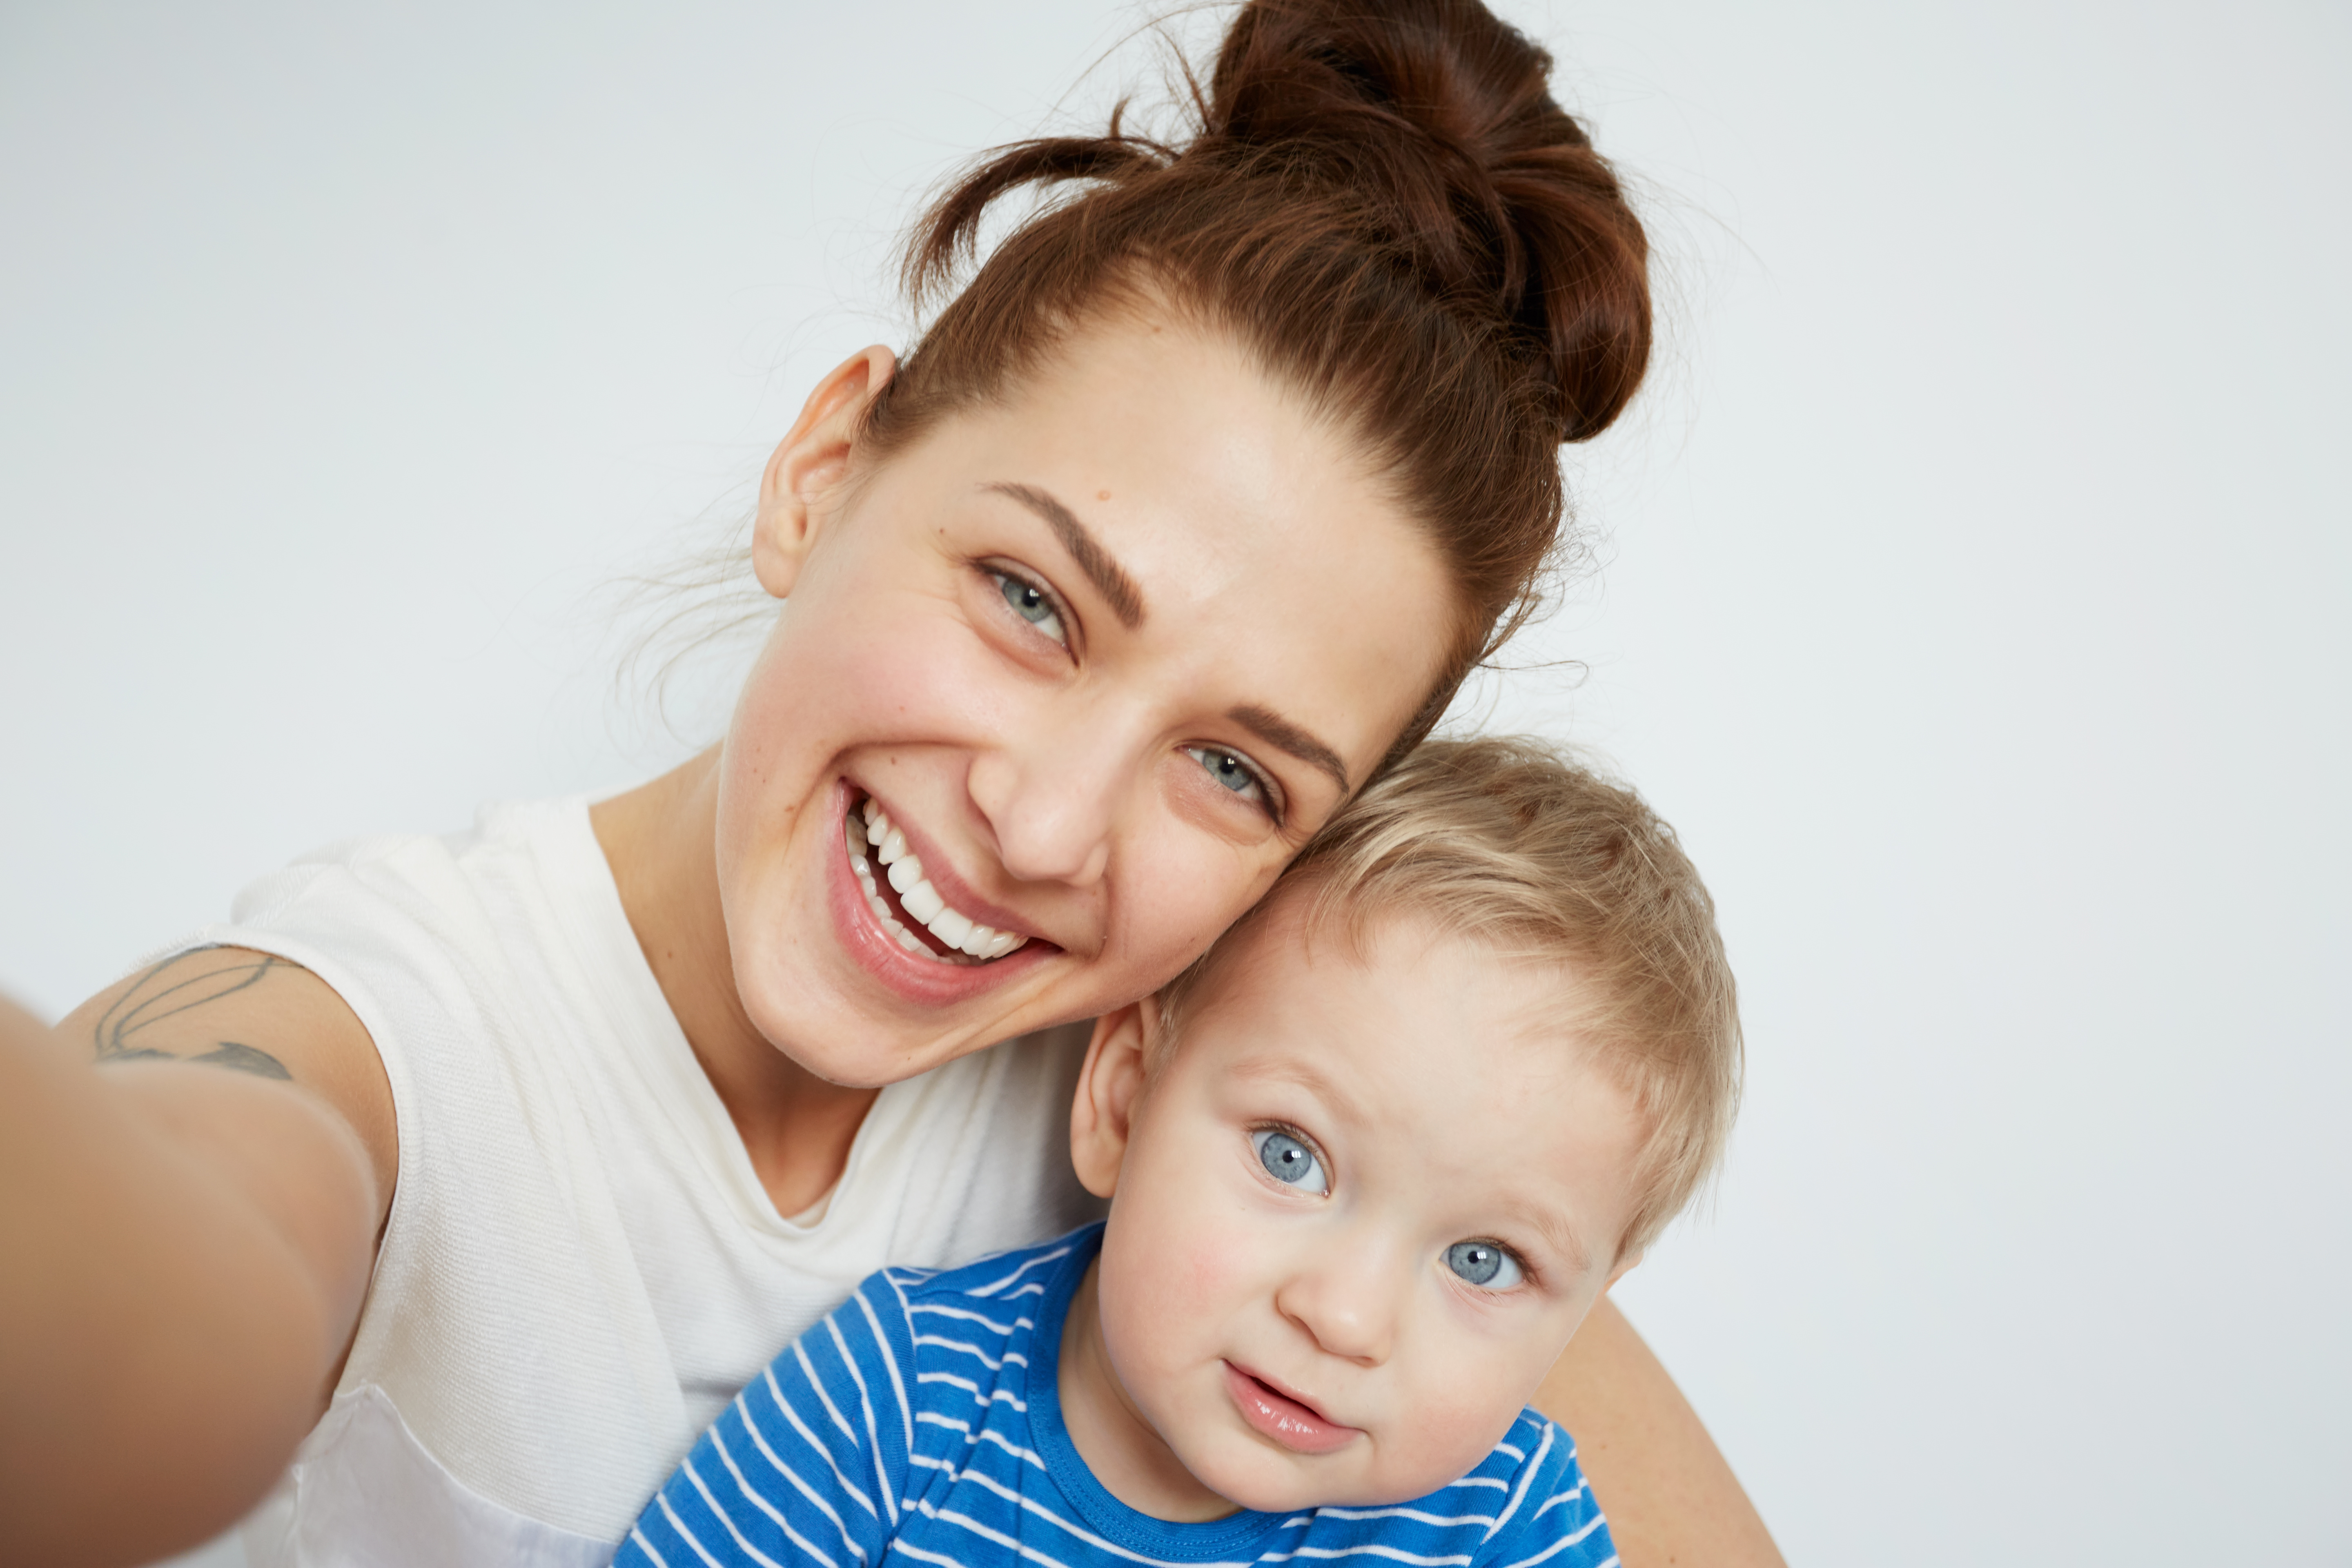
point(1030, 603)
point(1484, 1264)
point(1229, 771)
point(1289, 1161)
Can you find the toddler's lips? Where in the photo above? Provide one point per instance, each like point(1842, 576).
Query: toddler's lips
point(1295, 1426)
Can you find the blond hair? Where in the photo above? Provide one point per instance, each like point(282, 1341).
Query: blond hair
point(1511, 843)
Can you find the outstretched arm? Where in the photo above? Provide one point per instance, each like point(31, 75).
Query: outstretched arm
point(1670, 1496)
point(188, 1229)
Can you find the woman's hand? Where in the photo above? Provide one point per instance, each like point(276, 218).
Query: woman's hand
point(1670, 1496)
point(187, 1233)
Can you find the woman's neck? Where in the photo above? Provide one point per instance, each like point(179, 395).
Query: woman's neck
point(660, 840)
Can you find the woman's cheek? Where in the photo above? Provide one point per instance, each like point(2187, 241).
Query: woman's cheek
point(1193, 880)
point(834, 671)
point(758, 750)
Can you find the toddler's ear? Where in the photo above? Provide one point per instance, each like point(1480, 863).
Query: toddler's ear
point(1108, 1086)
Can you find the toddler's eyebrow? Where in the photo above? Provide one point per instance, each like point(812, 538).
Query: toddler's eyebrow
point(1288, 1069)
point(1560, 1235)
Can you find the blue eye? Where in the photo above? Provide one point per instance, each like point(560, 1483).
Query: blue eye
point(1030, 603)
point(1229, 771)
point(1484, 1264)
point(1289, 1161)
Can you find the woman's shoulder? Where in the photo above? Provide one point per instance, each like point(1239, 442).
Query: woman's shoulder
point(418, 870)
point(468, 921)
point(454, 951)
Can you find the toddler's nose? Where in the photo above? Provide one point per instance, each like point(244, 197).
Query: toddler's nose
point(1349, 1300)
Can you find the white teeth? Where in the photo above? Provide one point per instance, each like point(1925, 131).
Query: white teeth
point(890, 922)
point(922, 900)
point(948, 925)
point(971, 941)
point(998, 945)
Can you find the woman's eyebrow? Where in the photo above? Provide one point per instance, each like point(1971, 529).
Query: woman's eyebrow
point(1127, 601)
point(1109, 579)
point(1277, 730)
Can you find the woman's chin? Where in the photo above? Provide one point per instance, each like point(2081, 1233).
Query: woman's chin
point(863, 1019)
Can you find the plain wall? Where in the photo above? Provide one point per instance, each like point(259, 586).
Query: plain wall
point(1971, 596)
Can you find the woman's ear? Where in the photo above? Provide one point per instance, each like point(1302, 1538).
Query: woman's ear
point(810, 462)
point(1110, 1085)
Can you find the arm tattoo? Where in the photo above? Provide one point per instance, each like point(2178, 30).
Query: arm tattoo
point(167, 990)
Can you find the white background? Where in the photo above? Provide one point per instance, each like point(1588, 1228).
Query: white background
point(1972, 599)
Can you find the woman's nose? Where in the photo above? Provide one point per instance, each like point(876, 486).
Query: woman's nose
point(1051, 795)
point(1350, 1300)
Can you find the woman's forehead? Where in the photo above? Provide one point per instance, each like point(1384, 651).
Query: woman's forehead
point(1182, 418)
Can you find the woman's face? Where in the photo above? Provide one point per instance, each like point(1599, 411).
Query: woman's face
point(1105, 656)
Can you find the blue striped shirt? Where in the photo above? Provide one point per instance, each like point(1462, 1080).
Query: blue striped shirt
point(921, 1422)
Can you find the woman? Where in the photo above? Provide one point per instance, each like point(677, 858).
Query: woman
point(1191, 510)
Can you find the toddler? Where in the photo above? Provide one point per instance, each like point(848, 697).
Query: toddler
point(1370, 1160)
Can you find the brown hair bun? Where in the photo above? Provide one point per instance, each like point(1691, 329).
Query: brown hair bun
point(1379, 199)
point(1435, 118)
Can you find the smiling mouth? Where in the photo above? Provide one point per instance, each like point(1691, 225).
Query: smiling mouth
point(890, 877)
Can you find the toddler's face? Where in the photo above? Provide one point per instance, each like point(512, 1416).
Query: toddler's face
point(1357, 1218)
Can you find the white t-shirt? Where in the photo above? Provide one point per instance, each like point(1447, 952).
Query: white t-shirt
point(581, 1266)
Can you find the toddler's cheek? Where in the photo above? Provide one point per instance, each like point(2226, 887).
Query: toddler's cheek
point(1440, 1439)
point(1197, 1276)
point(1175, 1285)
